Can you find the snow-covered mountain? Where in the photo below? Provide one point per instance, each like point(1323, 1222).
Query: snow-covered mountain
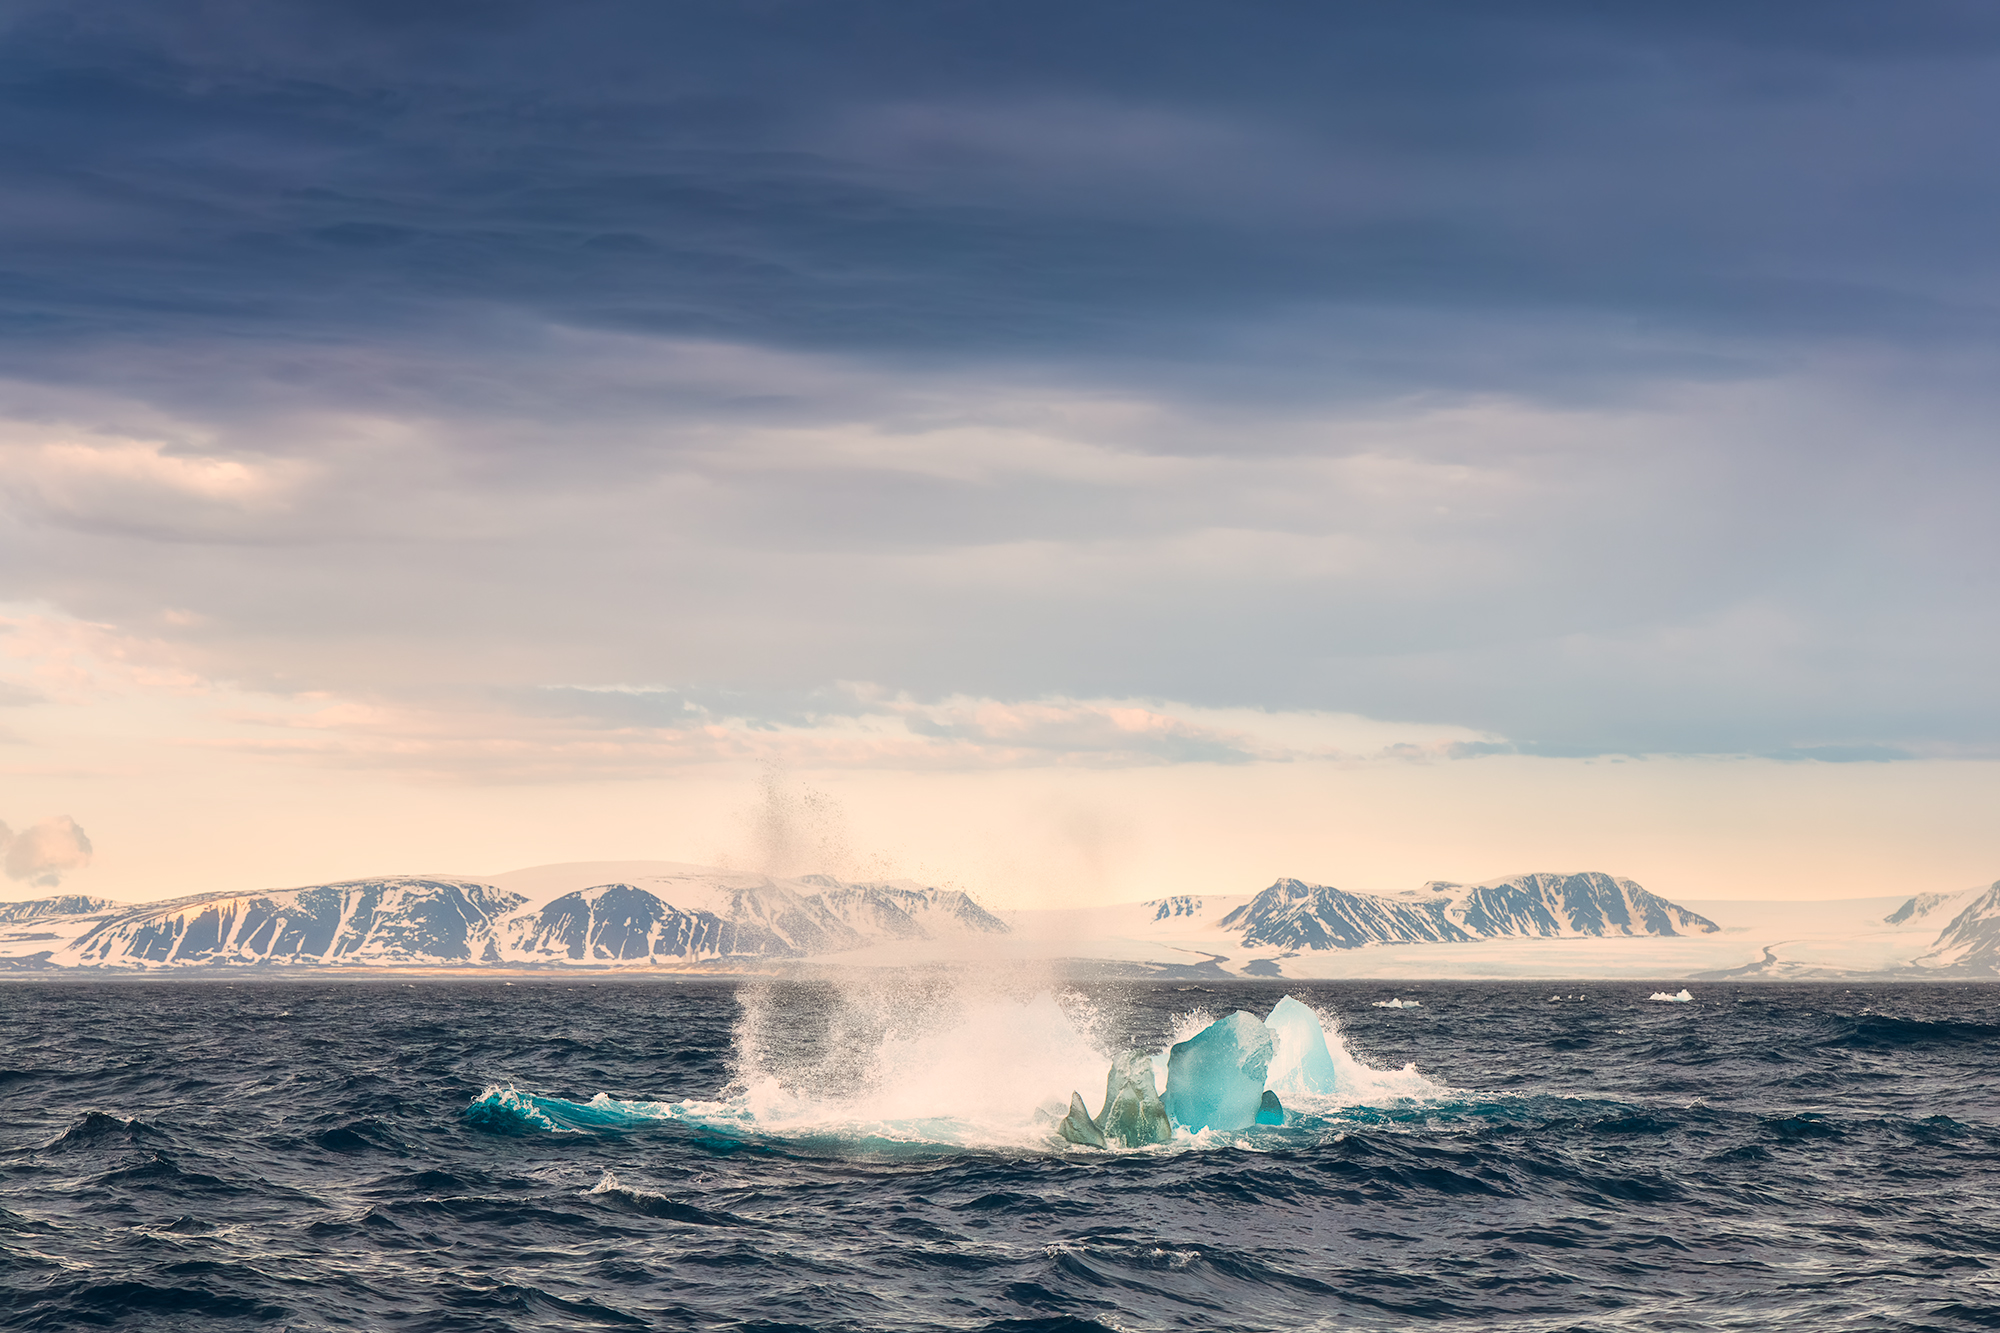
point(30, 932)
point(674, 915)
point(1291, 914)
point(1970, 942)
point(620, 923)
point(384, 922)
point(709, 915)
point(1943, 906)
point(64, 904)
point(1567, 907)
point(662, 915)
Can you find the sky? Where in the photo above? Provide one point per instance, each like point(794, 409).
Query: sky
point(1070, 452)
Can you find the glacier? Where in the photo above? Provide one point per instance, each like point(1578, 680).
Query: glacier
point(1970, 942)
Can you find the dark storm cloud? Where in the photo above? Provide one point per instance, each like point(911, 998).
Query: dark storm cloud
point(728, 351)
point(1037, 179)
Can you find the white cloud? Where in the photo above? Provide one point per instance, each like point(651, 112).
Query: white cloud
point(624, 733)
point(43, 853)
point(158, 487)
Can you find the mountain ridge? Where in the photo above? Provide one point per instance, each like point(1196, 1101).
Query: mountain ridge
point(675, 917)
point(687, 916)
point(1542, 905)
point(1970, 941)
point(61, 904)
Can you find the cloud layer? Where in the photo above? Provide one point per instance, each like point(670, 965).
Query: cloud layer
point(943, 385)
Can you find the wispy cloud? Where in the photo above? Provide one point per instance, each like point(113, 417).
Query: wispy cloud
point(498, 744)
point(47, 657)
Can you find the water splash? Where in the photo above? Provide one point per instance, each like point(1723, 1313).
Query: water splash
point(1362, 1084)
point(937, 1060)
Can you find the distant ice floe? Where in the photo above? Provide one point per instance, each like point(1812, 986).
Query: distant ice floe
point(1682, 998)
point(1399, 1004)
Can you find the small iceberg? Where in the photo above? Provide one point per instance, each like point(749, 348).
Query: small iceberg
point(1682, 998)
point(1133, 1115)
point(1215, 1079)
point(993, 1079)
point(1078, 1127)
point(1399, 1004)
point(1300, 1059)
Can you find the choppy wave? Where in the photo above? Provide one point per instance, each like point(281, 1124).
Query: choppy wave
point(1891, 1032)
point(474, 1157)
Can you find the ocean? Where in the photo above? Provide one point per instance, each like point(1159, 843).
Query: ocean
point(876, 1154)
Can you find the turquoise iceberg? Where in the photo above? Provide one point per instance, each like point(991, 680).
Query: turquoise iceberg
point(1302, 1062)
point(1215, 1079)
point(1078, 1127)
point(1133, 1114)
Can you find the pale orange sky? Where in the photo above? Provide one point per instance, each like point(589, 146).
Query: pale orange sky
point(180, 795)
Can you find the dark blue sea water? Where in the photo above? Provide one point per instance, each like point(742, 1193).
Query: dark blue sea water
point(299, 1155)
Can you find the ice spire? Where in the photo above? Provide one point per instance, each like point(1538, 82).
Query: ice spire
point(1132, 1112)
